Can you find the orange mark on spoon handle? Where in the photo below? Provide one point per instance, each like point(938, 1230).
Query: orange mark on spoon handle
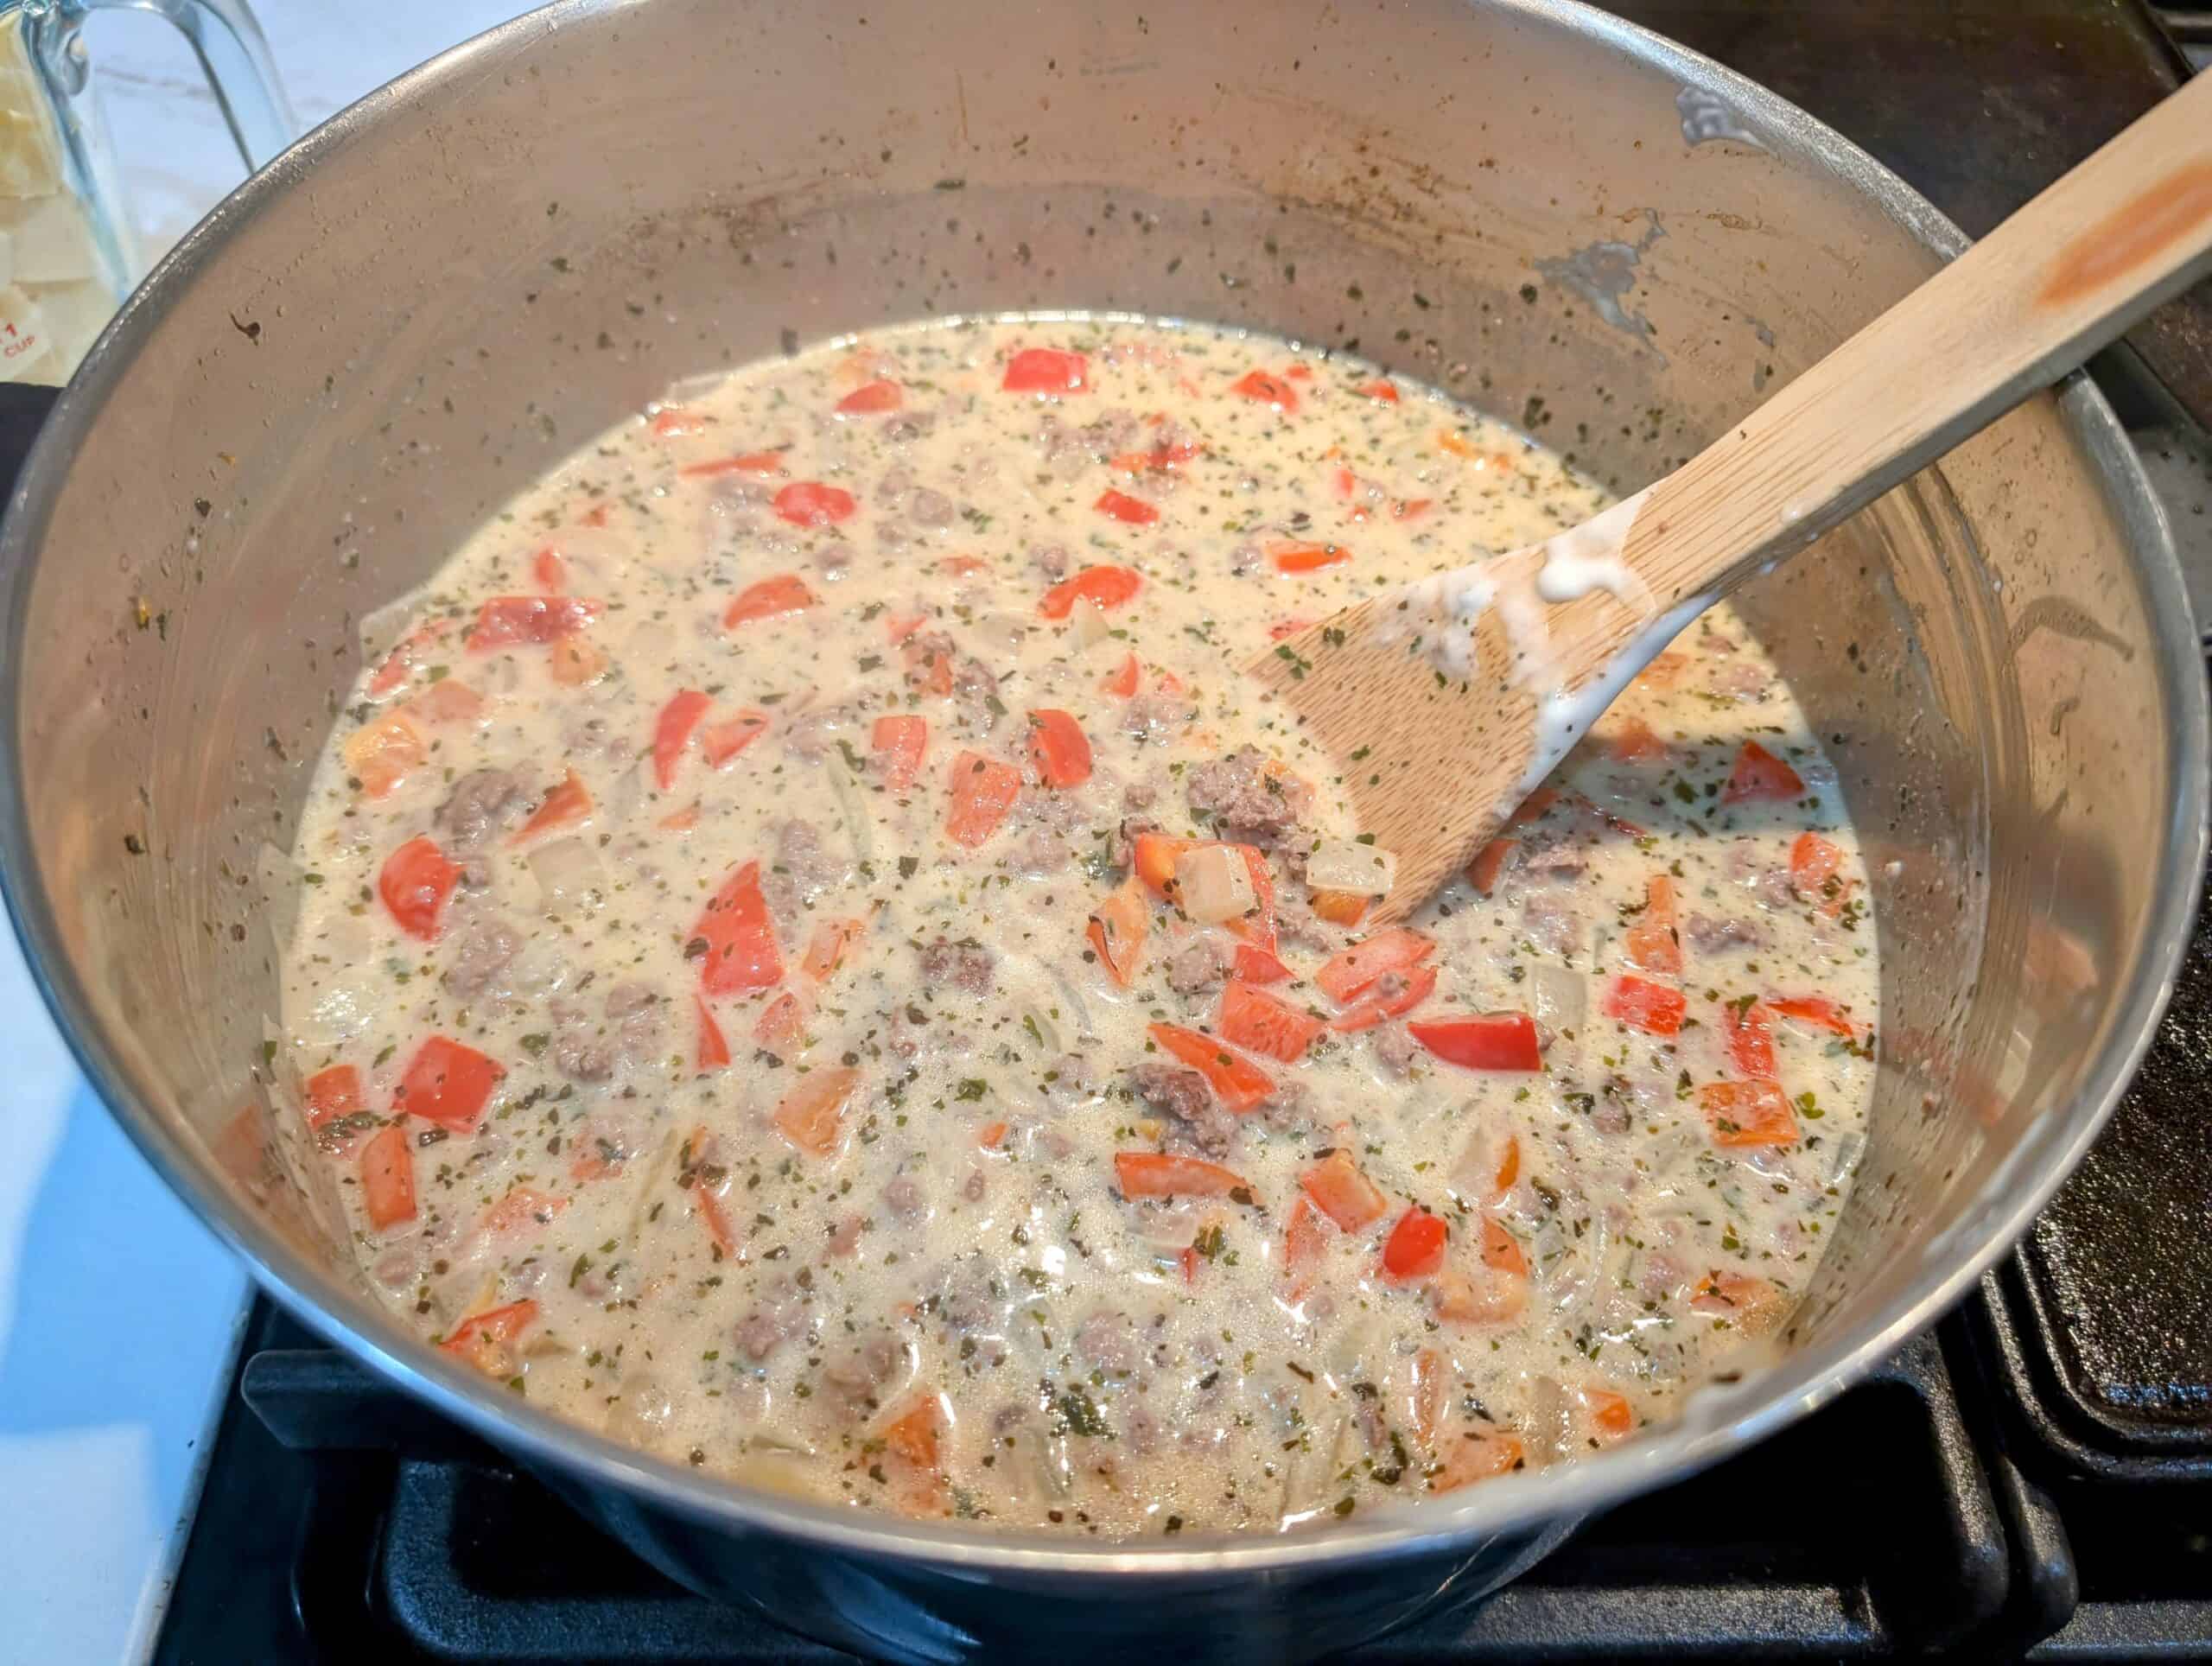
point(2131, 235)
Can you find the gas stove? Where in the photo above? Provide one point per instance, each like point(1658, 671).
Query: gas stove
point(2031, 1477)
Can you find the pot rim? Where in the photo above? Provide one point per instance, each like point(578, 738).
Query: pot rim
point(1800, 1383)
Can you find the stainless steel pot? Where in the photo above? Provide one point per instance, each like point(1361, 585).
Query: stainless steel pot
point(435, 296)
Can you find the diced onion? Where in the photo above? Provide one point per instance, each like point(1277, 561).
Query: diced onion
point(1047, 1032)
point(1005, 632)
point(1562, 998)
point(1213, 884)
point(1087, 621)
point(567, 872)
point(858, 825)
point(1348, 865)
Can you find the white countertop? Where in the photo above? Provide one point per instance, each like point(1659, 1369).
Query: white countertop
point(118, 1313)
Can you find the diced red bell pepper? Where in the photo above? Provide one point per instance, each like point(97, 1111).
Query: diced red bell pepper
point(1118, 929)
point(1342, 1191)
point(569, 803)
point(1161, 460)
point(1307, 558)
point(1123, 684)
point(1749, 1028)
point(825, 950)
point(781, 1023)
point(1638, 1002)
point(1062, 751)
point(1382, 392)
point(1818, 1011)
point(714, 1046)
point(332, 1093)
point(1743, 1114)
point(1344, 908)
point(1268, 390)
point(984, 790)
point(1652, 944)
point(705, 1201)
point(1375, 1007)
point(388, 1178)
point(415, 882)
point(750, 462)
point(1305, 1241)
point(1046, 370)
point(810, 503)
point(871, 399)
point(1490, 865)
point(1235, 1080)
point(1160, 1174)
point(1348, 971)
point(519, 621)
point(1633, 740)
point(1257, 925)
point(1154, 856)
point(486, 1340)
point(451, 701)
point(1414, 1249)
point(1758, 774)
point(913, 1434)
point(741, 954)
point(1815, 865)
point(1256, 965)
point(410, 654)
point(811, 1116)
point(673, 732)
point(449, 1084)
point(1101, 587)
point(521, 1209)
point(1258, 1022)
point(720, 742)
point(898, 744)
point(770, 598)
point(1132, 511)
point(1492, 1041)
point(577, 661)
point(1753, 1305)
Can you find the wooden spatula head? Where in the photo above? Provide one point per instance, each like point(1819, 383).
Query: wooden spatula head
point(1443, 705)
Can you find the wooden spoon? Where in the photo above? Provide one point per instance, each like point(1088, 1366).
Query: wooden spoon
point(1444, 703)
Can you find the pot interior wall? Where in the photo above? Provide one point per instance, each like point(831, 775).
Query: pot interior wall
point(327, 398)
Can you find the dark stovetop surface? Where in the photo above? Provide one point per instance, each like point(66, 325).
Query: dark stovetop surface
point(1978, 104)
point(2044, 1479)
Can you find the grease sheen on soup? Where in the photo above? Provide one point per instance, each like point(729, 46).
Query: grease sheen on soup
point(812, 958)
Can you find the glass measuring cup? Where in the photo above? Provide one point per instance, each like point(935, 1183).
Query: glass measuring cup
point(68, 258)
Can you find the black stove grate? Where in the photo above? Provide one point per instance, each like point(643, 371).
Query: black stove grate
point(341, 1520)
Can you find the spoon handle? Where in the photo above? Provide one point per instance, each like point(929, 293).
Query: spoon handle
point(2061, 277)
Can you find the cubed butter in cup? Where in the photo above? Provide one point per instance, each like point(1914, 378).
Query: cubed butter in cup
point(52, 240)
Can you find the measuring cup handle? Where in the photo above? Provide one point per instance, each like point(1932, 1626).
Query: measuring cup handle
point(234, 56)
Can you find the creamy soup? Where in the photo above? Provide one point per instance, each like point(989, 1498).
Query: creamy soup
point(813, 958)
